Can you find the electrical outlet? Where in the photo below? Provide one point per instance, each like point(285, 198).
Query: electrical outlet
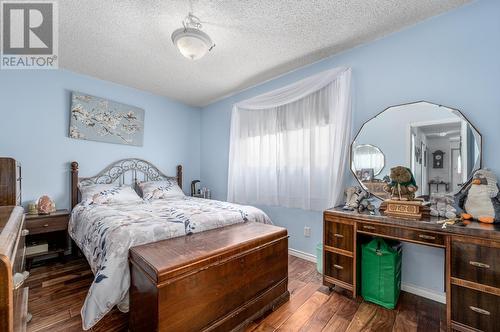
point(307, 231)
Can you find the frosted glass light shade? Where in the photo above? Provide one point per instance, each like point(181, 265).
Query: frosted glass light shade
point(192, 43)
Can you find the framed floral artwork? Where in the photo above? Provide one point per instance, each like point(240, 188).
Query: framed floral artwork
point(98, 119)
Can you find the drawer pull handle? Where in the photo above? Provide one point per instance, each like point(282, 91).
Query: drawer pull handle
point(426, 237)
point(20, 278)
point(368, 227)
point(46, 225)
point(338, 235)
point(479, 310)
point(479, 264)
point(338, 267)
point(25, 232)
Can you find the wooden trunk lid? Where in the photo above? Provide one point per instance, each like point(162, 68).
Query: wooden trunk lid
point(171, 258)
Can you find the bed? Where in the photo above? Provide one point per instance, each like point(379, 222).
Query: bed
point(105, 232)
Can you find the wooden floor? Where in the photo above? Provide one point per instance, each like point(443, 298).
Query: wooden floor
point(57, 291)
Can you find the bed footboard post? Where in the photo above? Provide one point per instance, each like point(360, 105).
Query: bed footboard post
point(179, 175)
point(74, 184)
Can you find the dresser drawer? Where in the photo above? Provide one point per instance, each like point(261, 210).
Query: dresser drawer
point(404, 234)
point(339, 235)
point(339, 267)
point(47, 224)
point(475, 309)
point(475, 263)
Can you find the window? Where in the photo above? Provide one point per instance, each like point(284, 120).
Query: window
point(292, 154)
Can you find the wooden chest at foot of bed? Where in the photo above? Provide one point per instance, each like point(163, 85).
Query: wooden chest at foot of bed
point(218, 280)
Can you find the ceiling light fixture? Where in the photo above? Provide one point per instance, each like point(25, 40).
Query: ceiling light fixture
point(190, 40)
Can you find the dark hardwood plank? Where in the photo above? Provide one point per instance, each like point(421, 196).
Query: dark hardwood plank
point(371, 317)
point(277, 318)
point(58, 289)
point(304, 313)
point(343, 317)
point(263, 327)
point(321, 316)
point(56, 294)
point(430, 313)
point(407, 317)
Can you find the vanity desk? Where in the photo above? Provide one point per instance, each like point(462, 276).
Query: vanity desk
point(472, 264)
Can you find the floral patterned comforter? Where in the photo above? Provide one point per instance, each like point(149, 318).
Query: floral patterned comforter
point(105, 233)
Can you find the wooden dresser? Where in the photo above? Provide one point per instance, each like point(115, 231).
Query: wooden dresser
point(472, 266)
point(10, 182)
point(13, 296)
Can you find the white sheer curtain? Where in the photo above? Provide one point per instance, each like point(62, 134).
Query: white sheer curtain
point(290, 147)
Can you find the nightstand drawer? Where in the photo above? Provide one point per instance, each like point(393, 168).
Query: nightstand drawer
point(403, 234)
point(47, 224)
point(475, 309)
point(475, 263)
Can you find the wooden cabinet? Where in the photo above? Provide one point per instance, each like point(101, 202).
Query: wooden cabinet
point(472, 260)
point(13, 296)
point(10, 182)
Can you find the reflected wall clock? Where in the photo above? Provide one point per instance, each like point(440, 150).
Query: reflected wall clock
point(437, 159)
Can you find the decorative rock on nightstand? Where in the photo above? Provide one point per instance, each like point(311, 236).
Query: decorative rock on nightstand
point(48, 235)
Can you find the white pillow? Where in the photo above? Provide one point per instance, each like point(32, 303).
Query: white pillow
point(161, 190)
point(108, 193)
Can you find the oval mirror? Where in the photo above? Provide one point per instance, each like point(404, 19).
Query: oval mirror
point(439, 145)
point(369, 158)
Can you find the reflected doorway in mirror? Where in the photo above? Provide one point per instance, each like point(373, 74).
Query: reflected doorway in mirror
point(409, 134)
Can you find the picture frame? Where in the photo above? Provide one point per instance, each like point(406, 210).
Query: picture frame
point(367, 174)
point(103, 120)
point(418, 155)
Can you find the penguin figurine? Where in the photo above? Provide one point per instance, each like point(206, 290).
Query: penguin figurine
point(479, 199)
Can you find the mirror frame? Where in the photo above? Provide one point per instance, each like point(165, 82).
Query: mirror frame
point(404, 104)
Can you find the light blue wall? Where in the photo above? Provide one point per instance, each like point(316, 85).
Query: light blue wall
point(452, 59)
point(34, 121)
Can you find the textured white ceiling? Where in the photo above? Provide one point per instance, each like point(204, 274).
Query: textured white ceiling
point(128, 41)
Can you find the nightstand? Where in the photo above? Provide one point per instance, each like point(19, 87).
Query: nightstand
point(48, 235)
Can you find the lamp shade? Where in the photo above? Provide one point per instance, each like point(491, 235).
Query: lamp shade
point(192, 43)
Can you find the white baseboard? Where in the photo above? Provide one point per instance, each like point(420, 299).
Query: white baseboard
point(410, 288)
point(301, 254)
point(424, 292)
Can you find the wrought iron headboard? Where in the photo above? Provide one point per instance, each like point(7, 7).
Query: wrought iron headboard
point(133, 169)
